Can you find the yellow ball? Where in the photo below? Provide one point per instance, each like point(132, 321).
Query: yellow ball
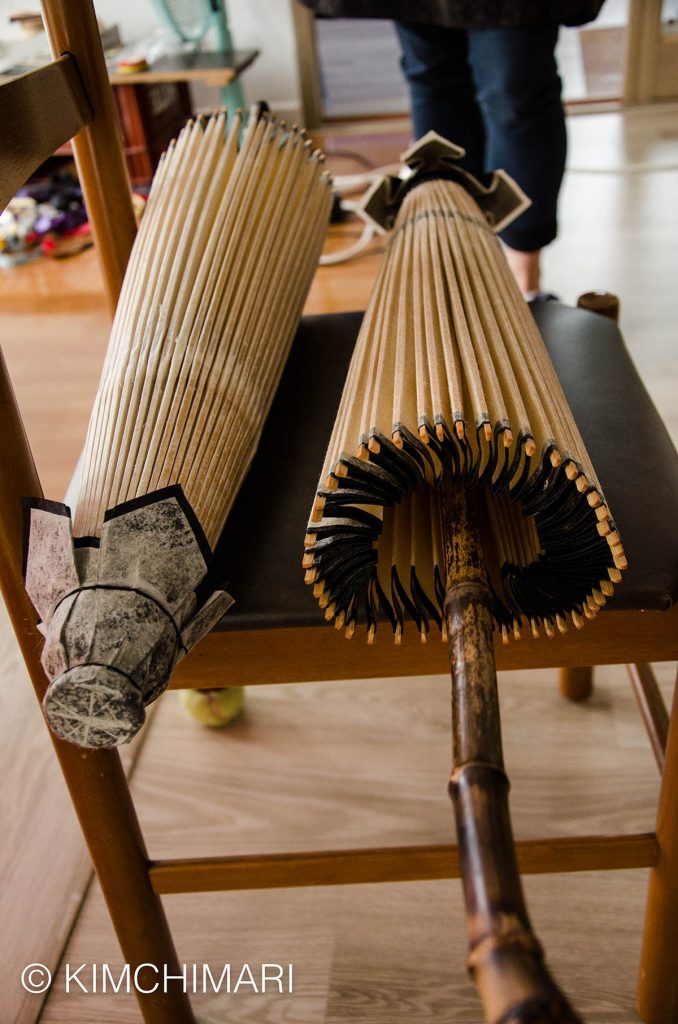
point(213, 707)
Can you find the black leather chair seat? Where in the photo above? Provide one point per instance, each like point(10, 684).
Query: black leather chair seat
point(259, 553)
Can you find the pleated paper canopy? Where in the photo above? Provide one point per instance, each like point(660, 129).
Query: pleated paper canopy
point(450, 376)
point(213, 293)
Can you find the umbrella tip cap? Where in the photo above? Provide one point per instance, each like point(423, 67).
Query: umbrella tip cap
point(94, 706)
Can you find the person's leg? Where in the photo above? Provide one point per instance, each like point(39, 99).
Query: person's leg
point(442, 93)
point(519, 92)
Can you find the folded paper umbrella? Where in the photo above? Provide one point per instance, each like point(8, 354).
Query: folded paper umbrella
point(213, 292)
point(457, 493)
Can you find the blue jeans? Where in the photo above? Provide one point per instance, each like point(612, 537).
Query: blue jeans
point(497, 93)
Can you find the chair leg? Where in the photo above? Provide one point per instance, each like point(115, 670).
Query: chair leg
point(652, 708)
point(658, 983)
point(576, 684)
point(103, 803)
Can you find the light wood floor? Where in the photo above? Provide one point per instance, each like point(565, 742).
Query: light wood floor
point(343, 764)
point(349, 764)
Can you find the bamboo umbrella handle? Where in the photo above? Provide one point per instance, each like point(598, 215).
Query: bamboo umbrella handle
point(506, 959)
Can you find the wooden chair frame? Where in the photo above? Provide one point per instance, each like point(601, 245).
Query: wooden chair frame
point(73, 93)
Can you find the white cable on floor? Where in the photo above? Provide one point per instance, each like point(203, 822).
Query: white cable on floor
point(366, 237)
point(370, 229)
point(345, 183)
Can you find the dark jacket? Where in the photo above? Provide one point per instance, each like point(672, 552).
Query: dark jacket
point(464, 13)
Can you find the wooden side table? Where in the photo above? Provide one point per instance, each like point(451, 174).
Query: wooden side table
point(153, 105)
point(150, 116)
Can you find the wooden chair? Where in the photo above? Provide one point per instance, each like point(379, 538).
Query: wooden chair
point(274, 633)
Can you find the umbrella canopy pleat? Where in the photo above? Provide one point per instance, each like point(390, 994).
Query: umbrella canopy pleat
point(216, 282)
point(216, 363)
point(119, 400)
point(148, 388)
point(146, 396)
point(450, 376)
point(207, 195)
point(203, 327)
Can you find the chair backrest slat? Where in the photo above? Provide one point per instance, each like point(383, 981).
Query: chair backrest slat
point(39, 112)
point(18, 479)
point(72, 28)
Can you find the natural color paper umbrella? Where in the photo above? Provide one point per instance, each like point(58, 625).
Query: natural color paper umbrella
point(457, 492)
point(450, 377)
point(214, 289)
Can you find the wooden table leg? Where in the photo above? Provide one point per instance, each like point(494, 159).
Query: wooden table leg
point(505, 959)
point(658, 983)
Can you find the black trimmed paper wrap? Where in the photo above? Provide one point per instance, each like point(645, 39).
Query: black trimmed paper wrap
point(118, 612)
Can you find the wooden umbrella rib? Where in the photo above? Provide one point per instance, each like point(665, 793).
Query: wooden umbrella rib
point(529, 392)
point(404, 408)
point(135, 287)
point(193, 285)
point(209, 358)
point(528, 342)
point(203, 330)
point(159, 392)
point(513, 408)
point(451, 372)
point(207, 184)
point(285, 325)
point(438, 336)
point(138, 261)
point(466, 320)
point(268, 373)
point(223, 321)
point(255, 273)
point(482, 333)
point(366, 377)
point(136, 377)
point(242, 326)
point(377, 354)
point(132, 421)
point(203, 343)
point(362, 418)
point(422, 326)
point(462, 369)
point(111, 394)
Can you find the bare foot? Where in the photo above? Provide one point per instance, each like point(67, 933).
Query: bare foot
point(526, 268)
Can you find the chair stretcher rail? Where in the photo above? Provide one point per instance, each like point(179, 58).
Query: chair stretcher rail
point(392, 864)
point(315, 653)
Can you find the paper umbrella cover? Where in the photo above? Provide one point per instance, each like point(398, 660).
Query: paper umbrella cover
point(213, 293)
point(450, 377)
